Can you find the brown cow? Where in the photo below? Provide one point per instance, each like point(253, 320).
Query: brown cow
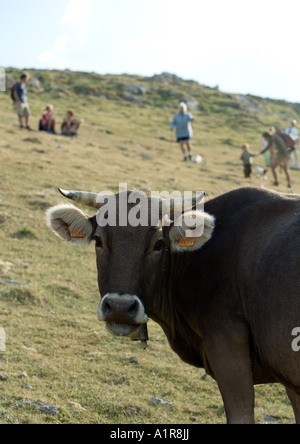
point(228, 301)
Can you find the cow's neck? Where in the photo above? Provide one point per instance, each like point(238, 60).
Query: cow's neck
point(183, 340)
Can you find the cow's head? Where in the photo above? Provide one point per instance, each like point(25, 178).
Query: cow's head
point(131, 260)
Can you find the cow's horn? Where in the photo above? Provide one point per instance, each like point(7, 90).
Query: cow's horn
point(82, 197)
point(187, 203)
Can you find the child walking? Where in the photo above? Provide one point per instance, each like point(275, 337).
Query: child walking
point(246, 157)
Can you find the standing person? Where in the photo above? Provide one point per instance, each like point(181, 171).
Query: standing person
point(184, 131)
point(47, 122)
point(246, 157)
point(279, 155)
point(293, 132)
point(19, 94)
point(70, 126)
point(264, 143)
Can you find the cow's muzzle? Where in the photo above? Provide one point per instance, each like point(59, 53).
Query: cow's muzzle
point(123, 313)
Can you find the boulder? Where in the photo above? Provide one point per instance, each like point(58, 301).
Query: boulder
point(35, 84)
point(192, 104)
point(134, 89)
point(2, 345)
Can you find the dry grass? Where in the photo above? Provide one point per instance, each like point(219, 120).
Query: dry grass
point(52, 332)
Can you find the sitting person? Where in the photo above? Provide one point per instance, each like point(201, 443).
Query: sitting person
point(70, 126)
point(47, 122)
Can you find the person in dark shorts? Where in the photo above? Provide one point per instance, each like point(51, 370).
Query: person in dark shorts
point(279, 155)
point(184, 131)
point(246, 157)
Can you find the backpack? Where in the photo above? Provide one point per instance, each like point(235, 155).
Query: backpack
point(290, 143)
point(12, 91)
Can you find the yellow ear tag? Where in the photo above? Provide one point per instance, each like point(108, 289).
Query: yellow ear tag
point(187, 242)
point(77, 235)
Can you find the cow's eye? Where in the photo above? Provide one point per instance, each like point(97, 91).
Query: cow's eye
point(99, 243)
point(159, 245)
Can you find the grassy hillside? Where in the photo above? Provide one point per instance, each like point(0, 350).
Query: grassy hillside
point(57, 352)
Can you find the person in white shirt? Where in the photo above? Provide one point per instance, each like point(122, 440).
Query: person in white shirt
point(293, 132)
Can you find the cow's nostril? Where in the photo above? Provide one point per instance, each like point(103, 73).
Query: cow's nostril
point(133, 309)
point(107, 309)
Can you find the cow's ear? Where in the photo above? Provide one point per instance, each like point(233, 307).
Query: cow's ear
point(191, 231)
point(70, 224)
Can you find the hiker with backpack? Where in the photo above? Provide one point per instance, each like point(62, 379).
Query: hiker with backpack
point(279, 154)
point(293, 133)
point(19, 97)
